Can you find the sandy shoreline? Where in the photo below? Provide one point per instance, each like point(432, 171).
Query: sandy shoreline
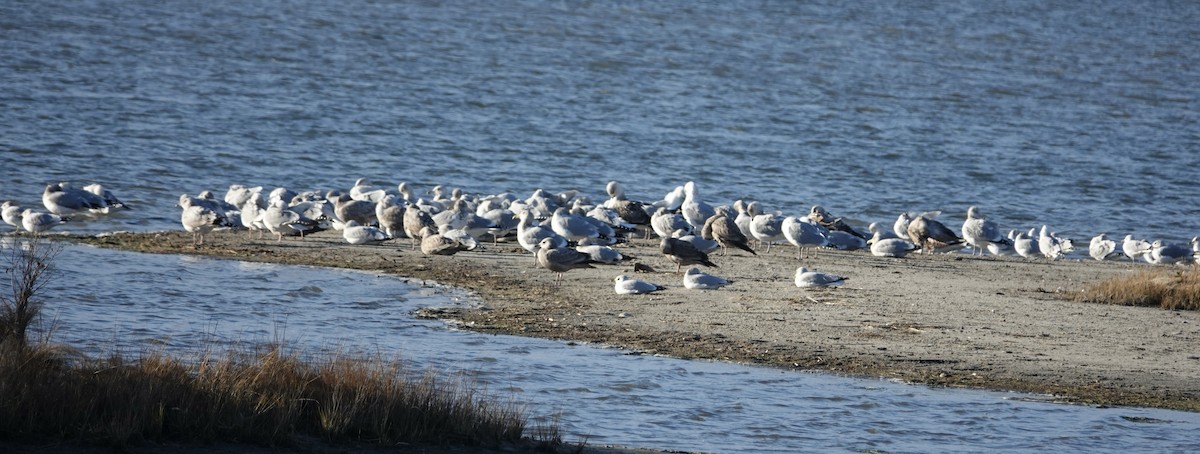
point(951, 320)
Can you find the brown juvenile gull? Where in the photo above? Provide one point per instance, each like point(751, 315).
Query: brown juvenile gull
point(722, 229)
point(821, 216)
point(414, 221)
point(684, 253)
point(433, 243)
point(560, 259)
point(933, 236)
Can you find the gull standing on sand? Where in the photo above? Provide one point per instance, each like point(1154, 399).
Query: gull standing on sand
point(694, 279)
point(979, 232)
point(1134, 248)
point(238, 195)
point(390, 214)
point(722, 229)
point(901, 225)
point(624, 285)
point(530, 234)
point(746, 211)
point(683, 253)
point(806, 278)
point(1101, 248)
point(632, 212)
point(1052, 246)
point(767, 228)
point(665, 222)
point(11, 213)
point(694, 210)
point(560, 259)
point(445, 242)
point(1025, 246)
point(199, 220)
point(280, 220)
point(38, 222)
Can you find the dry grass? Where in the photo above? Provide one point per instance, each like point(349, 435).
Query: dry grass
point(1171, 289)
point(266, 397)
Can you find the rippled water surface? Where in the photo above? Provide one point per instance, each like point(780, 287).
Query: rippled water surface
point(1080, 115)
point(602, 395)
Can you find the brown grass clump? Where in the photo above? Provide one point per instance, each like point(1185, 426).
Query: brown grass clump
point(1166, 288)
point(267, 397)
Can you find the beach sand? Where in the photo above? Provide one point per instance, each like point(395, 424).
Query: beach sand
point(942, 320)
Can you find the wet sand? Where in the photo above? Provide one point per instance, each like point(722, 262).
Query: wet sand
point(943, 320)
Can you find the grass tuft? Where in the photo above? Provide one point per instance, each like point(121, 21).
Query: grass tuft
point(1165, 288)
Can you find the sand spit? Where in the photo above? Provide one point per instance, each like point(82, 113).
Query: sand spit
point(951, 320)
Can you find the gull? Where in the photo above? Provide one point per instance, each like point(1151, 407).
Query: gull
point(745, 213)
point(11, 213)
point(1134, 248)
point(845, 241)
point(624, 285)
point(505, 220)
point(665, 223)
point(238, 195)
point(806, 278)
point(890, 247)
point(64, 200)
point(1052, 246)
point(901, 225)
point(979, 232)
point(1101, 248)
point(877, 230)
point(632, 212)
point(932, 236)
point(38, 222)
point(767, 228)
point(281, 221)
point(674, 199)
point(694, 210)
point(445, 242)
point(199, 220)
point(348, 209)
point(572, 227)
point(1025, 246)
point(390, 214)
point(416, 220)
point(251, 218)
point(560, 259)
point(702, 244)
point(1005, 248)
point(822, 217)
point(460, 216)
point(684, 253)
point(803, 234)
point(694, 279)
point(110, 201)
point(284, 195)
point(724, 230)
point(356, 234)
point(363, 190)
point(1162, 253)
point(600, 253)
point(530, 234)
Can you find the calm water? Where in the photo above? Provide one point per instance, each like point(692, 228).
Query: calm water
point(606, 396)
point(1083, 116)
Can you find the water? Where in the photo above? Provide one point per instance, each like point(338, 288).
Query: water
point(602, 395)
point(1082, 116)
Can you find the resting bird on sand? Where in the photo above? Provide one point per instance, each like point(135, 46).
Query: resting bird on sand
point(684, 253)
point(695, 279)
point(625, 285)
point(807, 278)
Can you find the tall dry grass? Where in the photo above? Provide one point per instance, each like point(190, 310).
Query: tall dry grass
point(263, 396)
point(267, 397)
point(1166, 288)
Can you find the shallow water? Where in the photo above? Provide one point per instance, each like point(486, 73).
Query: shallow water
point(1080, 115)
point(601, 395)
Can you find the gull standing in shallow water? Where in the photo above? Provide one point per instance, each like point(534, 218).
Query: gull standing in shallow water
point(697, 280)
point(624, 285)
point(806, 278)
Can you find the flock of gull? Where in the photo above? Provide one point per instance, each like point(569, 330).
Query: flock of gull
point(567, 230)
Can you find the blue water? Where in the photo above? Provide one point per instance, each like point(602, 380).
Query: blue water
point(601, 395)
point(1080, 115)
